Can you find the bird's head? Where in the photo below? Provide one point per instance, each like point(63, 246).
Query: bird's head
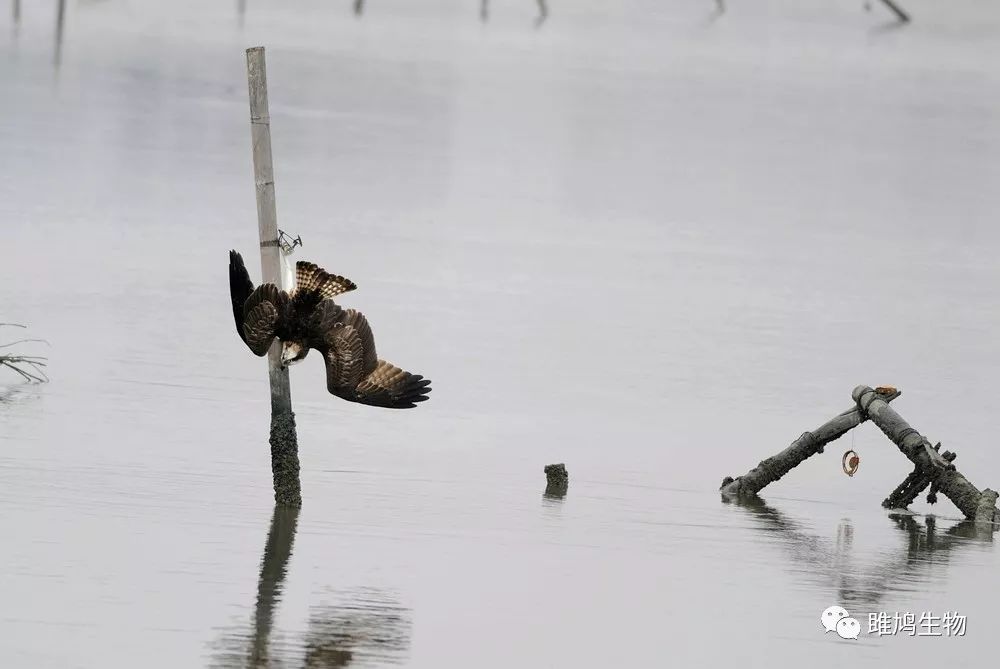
point(292, 352)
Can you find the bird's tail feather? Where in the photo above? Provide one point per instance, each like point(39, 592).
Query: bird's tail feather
point(240, 288)
point(312, 277)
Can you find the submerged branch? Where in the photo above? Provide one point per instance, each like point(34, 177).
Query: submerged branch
point(28, 367)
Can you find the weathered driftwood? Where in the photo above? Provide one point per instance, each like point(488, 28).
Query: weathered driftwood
point(914, 484)
point(987, 511)
point(810, 443)
point(941, 472)
point(284, 445)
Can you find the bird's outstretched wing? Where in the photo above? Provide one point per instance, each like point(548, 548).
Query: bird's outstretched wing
point(349, 348)
point(353, 370)
point(240, 288)
point(263, 315)
point(312, 277)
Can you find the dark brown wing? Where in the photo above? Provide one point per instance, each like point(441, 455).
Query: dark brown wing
point(344, 358)
point(312, 277)
point(391, 387)
point(347, 345)
point(355, 320)
point(263, 315)
point(240, 287)
point(353, 370)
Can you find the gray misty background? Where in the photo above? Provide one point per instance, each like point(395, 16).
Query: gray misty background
point(651, 244)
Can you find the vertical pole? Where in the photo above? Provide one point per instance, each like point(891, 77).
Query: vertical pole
point(284, 445)
point(241, 10)
point(17, 12)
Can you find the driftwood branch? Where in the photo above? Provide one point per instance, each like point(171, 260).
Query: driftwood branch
point(927, 461)
point(914, 484)
point(810, 443)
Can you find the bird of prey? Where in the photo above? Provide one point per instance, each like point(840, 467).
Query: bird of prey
point(308, 318)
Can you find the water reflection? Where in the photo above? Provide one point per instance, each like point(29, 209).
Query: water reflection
point(370, 626)
point(19, 393)
point(864, 586)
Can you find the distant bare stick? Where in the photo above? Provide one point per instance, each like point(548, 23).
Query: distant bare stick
point(543, 13)
point(897, 10)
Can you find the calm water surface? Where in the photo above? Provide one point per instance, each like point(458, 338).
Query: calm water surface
point(651, 245)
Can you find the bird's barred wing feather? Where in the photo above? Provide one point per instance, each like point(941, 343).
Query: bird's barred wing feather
point(391, 387)
point(355, 320)
point(342, 348)
point(263, 312)
point(240, 288)
point(312, 277)
point(353, 370)
point(344, 361)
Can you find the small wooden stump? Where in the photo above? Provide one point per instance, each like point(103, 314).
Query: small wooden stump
point(557, 480)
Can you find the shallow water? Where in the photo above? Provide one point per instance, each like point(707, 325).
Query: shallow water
point(652, 245)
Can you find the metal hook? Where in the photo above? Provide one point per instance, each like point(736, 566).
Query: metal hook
point(286, 242)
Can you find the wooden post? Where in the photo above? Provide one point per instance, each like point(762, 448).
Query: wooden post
point(810, 443)
point(17, 12)
point(557, 480)
point(935, 466)
point(284, 444)
point(897, 10)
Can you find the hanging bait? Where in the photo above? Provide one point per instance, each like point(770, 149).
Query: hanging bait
point(850, 462)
